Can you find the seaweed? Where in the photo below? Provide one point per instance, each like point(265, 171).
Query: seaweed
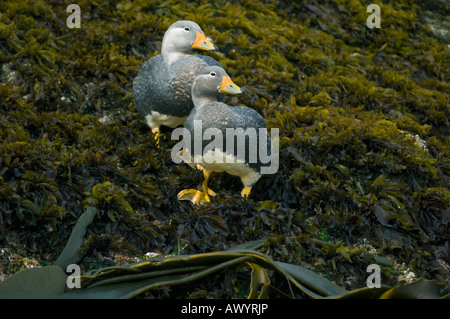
point(363, 117)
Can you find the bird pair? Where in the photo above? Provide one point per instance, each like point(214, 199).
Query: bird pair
point(176, 88)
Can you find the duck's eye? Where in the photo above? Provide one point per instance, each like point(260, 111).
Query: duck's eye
point(213, 73)
point(187, 29)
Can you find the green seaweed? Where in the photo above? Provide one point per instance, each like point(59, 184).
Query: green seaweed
point(363, 117)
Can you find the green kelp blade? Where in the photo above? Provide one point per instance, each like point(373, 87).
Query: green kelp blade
point(202, 259)
point(71, 253)
point(311, 280)
point(251, 245)
point(158, 266)
point(123, 290)
point(260, 282)
point(420, 289)
point(315, 290)
point(130, 289)
point(146, 275)
point(34, 283)
point(363, 293)
point(96, 275)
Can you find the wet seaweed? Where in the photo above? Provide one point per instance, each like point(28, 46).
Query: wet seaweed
point(363, 117)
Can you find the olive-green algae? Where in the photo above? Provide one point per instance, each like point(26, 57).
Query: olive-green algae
point(363, 118)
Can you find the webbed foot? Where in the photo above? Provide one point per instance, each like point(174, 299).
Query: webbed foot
point(246, 191)
point(195, 196)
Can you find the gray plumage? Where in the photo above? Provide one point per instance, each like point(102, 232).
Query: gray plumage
point(163, 83)
point(218, 115)
point(167, 90)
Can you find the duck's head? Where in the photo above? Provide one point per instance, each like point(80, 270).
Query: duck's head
point(184, 35)
point(211, 81)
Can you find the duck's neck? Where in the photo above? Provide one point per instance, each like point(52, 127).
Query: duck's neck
point(170, 52)
point(200, 97)
point(171, 57)
point(201, 101)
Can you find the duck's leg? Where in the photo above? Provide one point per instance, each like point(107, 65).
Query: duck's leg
point(196, 196)
point(156, 135)
point(246, 191)
point(206, 190)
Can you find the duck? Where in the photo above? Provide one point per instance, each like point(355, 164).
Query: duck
point(162, 87)
point(211, 117)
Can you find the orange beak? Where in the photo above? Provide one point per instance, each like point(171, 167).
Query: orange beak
point(228, 86)
point(202, 43)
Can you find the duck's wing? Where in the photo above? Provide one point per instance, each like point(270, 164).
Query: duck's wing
point(150, 85)
point(182, 74)
point(248, 117)
point(220, 116)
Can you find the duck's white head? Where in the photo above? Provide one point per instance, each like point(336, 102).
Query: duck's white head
point(181, 37)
